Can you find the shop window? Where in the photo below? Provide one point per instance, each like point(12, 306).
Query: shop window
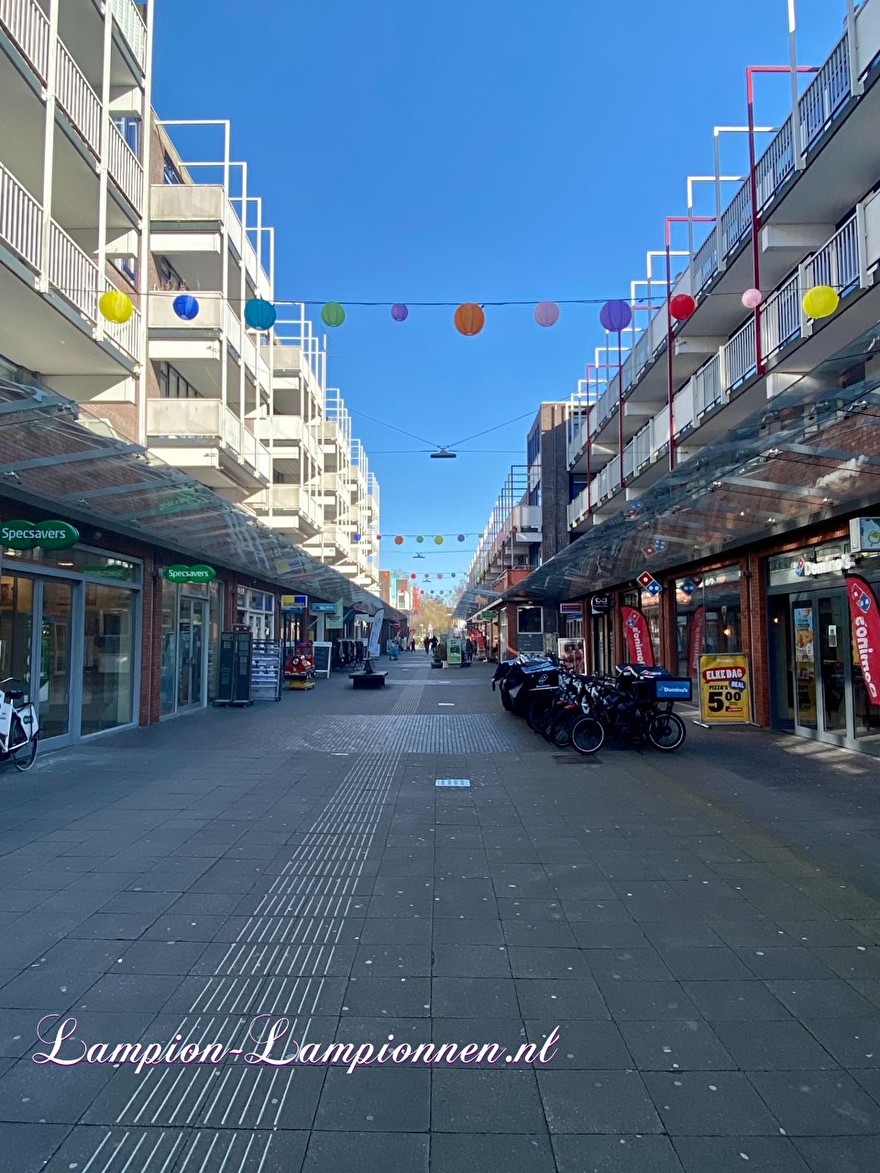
point(168, 680)
point(529, 620)
point(108, 658)
point(708, 617)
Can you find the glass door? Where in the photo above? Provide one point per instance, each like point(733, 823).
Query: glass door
point(192, 661)
point(56, 626)
point(833, 625)
point(806, 712)
point(17, 604)
point(781, 662)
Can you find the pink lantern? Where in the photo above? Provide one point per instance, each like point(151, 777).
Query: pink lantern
point(547, 313)
point(752, 298)
point(399, 312)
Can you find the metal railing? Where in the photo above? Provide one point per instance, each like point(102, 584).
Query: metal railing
point(825, 95)
point(740, 357)
point(21, 220)
point(28, 26)
point(736, 222)
point(254, 453)
point(125, 168)
point(73, 273)
point(128, 16)
point(684, 407)
point(775, 165)
point(707, 386)
point(126, 335)
point(78, 100)
point(838, 262)
point(781, 320)
point(706, 261)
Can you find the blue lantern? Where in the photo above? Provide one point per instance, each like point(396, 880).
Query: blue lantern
point(186, 307)
point(356, 538)
point(260, 314)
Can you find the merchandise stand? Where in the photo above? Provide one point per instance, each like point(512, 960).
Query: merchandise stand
point(266, 670)
point(234, 686)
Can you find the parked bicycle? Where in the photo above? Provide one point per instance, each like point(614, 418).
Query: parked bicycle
point(634, 707)
point(19, 727)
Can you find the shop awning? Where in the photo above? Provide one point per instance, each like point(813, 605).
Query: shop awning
point(51, 461)
point(811, 453)
point(474, 599)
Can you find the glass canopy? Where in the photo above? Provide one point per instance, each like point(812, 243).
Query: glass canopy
point(51, 461)
point(811, 453)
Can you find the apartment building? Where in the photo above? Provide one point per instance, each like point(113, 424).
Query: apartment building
point(724, 472)
point(168, 441)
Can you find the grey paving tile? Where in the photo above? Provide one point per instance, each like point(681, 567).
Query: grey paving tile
point(375, 997)
point(352, 1152)
point(698, 964)
point(555, 999)
point(545, 962)
point(851, 1154)
point(480, 997)
point(818, 1103)
point(395, 931)
point(583, 1045)
point(854, 1042)
point(785, 961)
point(615, 1154)
point(167, 957)
point(736, 1001)
point(648, 1001)
point(546, 934)
point(466, 1101)
point(45, 990)
point(774, 1046)
point(718, 1103)
point(726, 1154)
point(123, 992)
point(640, 964)
point(509, 1034)
point(371, 961)
point(493, 1153)
point(621, 935)
point(33, 1144)
point(676, 1045)
point(597, 1102)
point(173, 927)
point(851, 961)
point(375, 1100)
point(677, 935)
point(820, 999)
point(28, 1088)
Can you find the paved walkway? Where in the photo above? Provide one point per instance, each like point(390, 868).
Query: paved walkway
point(703, 930)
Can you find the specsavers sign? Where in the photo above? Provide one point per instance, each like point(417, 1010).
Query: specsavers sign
point(199, 573)
point(26, 535)
point(725, 690)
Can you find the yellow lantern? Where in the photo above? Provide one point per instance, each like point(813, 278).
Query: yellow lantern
point(821, 301)
point(116, 306)
point(438, 541)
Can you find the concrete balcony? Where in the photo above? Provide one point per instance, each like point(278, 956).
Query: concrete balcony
point(205, 439)
point(332, 545)
point(290, 435)
point(290, 509)
point(49, 290)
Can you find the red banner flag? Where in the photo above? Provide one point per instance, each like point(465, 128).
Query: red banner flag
point(865, 616)
point(698, 636)
point(638, 637)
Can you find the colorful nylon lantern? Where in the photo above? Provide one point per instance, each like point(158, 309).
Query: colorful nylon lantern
point(399, 312)
point(414, 576)
point(439, 575)
point(438, 541)
point(356, 537)
point(453, 574)
point(469, 319)
point(116, 306)
point(259, 314)
point(461, 537)
point(547, 313)
point(752, 298)
point(615, 316)
point(186, 307)
point(682, 306)
point(821, 301)
point(398, 541)
point(332, 314)
point(420, 538)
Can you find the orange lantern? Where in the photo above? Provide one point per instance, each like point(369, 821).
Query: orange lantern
point(469, 319)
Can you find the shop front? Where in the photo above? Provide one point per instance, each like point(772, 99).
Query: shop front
point(70, 631)
point(192, 619)
point(256, 609)
point(817, 684)
point(708, 616)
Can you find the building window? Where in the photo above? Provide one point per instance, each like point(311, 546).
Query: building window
point(127, 266)
point(130, 129)
point(169, 278)
point(170, 172)
point(172, 384)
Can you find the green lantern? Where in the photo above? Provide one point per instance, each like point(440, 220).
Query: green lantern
point(420, 539)
point(332, 314)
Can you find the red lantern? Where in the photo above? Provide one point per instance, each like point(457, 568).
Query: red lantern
point(414, 576)
point(469, 319)
point(682, 307)
point(398, 541)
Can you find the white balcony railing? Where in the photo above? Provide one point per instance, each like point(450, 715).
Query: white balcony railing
point(28, 26)
point(127, 15)
point(736, 221)
point(740, 356)
point(826, 93)
point(73, 273)
point(255, 454)
point(78, 100)
point(21, 220)
point(126, 335)
point(781, 319)
point(774, 166)
point(233, 329)
point(707, 386)
point(125, 169)
point(838, 263)
point(204, 420)
point(706, 261)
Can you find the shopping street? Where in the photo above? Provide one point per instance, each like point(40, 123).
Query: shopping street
point(711, 961)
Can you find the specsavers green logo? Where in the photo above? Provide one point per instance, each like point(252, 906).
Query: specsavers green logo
point(26, 535)
point(199, 573)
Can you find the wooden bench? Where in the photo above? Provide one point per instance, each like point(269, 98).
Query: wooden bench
point(367, 679)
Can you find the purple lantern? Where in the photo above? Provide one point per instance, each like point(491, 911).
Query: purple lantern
point(615, 316)
point(461, 537)
point(399, 312)
point(547, 313)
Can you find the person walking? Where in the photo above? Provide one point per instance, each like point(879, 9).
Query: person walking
point(427, 645)
point(433, 643)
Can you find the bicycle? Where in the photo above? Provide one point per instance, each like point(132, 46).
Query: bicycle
point(637, 710)
point(19, 727)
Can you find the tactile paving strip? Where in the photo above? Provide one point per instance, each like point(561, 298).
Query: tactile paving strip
point(412, 734)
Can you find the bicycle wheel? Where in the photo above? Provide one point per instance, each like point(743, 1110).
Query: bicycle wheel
point(587, 735)
point(538, 711)
point(25, 755)
point(666, 731)
point(562, 732)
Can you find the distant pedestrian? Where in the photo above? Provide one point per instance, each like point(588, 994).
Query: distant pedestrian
point(412, 645)
point(433, 643)
point(427, 645)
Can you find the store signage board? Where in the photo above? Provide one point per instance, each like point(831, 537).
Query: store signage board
point(649, 583)
point(864, 535)
point(197, 573)
point(453, 651)
point(601, 604)
point(322, 659)
point(570, 609)
point(323, 608)
point(725, 690)
point(27, 535)
point(294, 602)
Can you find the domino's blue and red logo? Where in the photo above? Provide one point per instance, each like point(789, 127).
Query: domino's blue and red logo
point(862, 599)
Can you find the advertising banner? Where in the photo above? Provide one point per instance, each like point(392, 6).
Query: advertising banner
point(697, 640)
point(725, 690)
point(866, 632)
point(453, 651)
point(572, 654)
point(375, 647)
point(639, 648)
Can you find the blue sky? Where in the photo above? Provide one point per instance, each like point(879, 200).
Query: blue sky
point(469, 150)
